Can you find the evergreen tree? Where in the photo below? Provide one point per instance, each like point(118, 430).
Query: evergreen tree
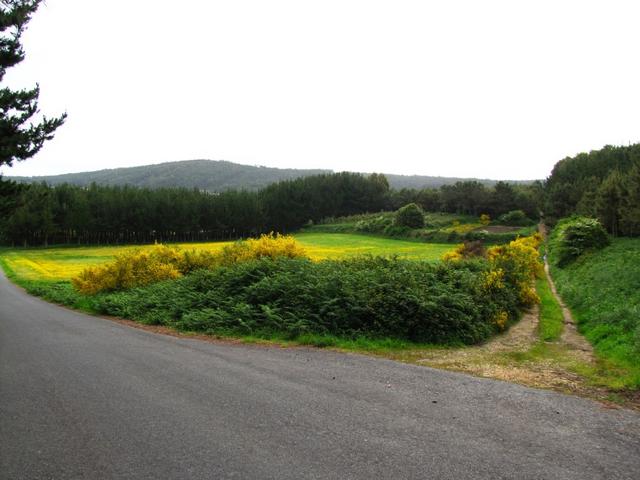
point(630, 210)
point(20, 138)
point(609, 202)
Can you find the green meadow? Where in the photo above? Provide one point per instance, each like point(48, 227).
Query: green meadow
point(63, 263)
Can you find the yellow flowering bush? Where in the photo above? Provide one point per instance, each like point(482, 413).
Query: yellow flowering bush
point(520, 262)
point(136, 268)
point(191, 260)
point(501, 319)
point(469, 249)
point(493, 280)
point(485, 219)
point(271, 246)
point(130, 269)
point(454, 255)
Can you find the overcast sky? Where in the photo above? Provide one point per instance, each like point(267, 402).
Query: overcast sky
point(492, 89)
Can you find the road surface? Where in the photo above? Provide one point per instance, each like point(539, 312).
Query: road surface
point(87, 398)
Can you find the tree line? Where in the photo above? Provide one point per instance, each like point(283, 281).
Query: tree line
point(39, 214)
point(471, 197)
point(603, 184)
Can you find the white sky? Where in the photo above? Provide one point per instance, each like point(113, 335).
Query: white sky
point(492, 89)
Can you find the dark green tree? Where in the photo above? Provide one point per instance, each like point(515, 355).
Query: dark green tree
point(20, 137)
point(609, 201)
point(630, 210)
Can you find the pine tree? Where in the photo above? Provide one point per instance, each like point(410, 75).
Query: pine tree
point(609, 198)
point(20, 138)
point(630, 211)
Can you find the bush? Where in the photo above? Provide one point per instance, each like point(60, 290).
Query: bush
point(519, 262)
point(574, 236)
point(516, 263)
point(130, 269)
point(515, 218)
point(137, 268)
point(369, 296)
point(411, 216)
point(374, 225)
point(469, 249)
point(267, 246)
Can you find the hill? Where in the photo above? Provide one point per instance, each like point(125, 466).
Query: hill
point(215, 176)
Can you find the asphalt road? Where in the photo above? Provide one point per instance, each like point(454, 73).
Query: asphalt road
point(87, 398)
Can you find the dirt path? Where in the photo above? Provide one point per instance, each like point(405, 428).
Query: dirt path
point(507, 357)
point(519, 356)
point(570, 336)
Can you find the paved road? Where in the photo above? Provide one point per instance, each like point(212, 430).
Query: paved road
point(87, 398)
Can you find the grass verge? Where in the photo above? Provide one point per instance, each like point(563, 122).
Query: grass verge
point(602, 289)
point(551, 321)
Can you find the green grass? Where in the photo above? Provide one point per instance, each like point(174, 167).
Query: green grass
point(551, 320)
point(63, 263)
point(340, 245)
point(360, 344)
point(602, 289)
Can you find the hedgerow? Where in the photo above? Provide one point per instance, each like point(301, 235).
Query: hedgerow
point(369, 296)
point(267, 286)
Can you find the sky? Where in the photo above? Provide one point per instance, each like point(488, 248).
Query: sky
point(490, 89)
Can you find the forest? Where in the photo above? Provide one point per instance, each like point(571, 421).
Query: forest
point(603, 184)
point(39, 214)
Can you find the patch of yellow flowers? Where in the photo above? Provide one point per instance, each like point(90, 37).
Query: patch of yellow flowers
point(517, 262)
point(135, 268)
point(520, 260)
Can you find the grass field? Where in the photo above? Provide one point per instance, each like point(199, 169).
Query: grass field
point(64, 263)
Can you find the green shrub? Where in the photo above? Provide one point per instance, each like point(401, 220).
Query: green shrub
point(515, 218)
point(410, 216)
point(574, 236)
point(369, 296)
point(374, 225)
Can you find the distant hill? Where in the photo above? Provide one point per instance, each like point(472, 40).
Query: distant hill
point(215, 176)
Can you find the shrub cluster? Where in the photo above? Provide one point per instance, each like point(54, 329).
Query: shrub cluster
point(267, 246)
point(519, 262)
point(410, 216)
point(454, 302)
point(515, 218)
point(130, 269)
point(266, 286)
point(516, 263)
point(576, 235)
point(469, 249)
point(137, 268)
